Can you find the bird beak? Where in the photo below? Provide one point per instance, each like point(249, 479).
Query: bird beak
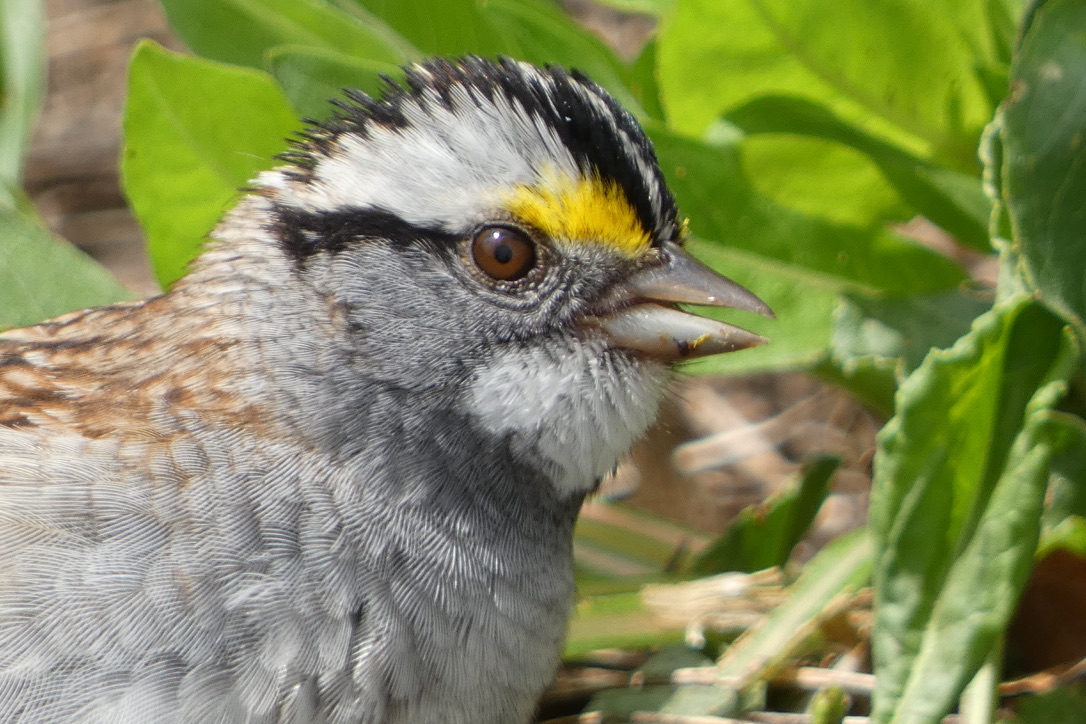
point(643, 315)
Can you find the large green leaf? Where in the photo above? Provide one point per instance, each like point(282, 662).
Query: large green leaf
point(716, 55)
point(713, 190)
point(1044, 159)
point(953, 200)
point(878, 341)
point(642, 77)
point(42, 276)
point(859, 59)
point(960, 478)
point(441, 27)
point(540, 33)
point(187, 149)
point(242, 31)
point(868, 52)
point(820, 178)
point(311, 77)
point(532, 30)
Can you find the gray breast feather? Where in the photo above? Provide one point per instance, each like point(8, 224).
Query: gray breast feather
point(204, 582)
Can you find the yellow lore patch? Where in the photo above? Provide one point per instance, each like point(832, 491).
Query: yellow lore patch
point(584, 210)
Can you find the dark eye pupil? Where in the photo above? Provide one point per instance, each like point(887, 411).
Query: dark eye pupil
point(502, 253)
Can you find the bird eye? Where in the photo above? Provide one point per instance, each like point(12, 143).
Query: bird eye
point(504, 254)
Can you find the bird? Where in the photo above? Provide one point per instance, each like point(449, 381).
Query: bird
point(332, 474)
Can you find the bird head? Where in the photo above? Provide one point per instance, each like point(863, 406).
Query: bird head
point(500, 237)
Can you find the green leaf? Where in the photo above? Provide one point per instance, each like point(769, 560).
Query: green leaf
point(441, 27)
point(977, 703)
point(644, 83)
point(878, 341)
point(859, 59)
point(953, 200)
point(211, 29)
point(42, 277)
point(617, 620)
point(959, 483)
point(837, 183)
point(1069, 534)
point(1061, 705)
point(829, 706)
point(22, 75)
point(539, 32)
point(989, 29)
point(185, 151)
point(311, 77)
point(528, 29)
point(1064, 522)
point(647, 7)
point(746, 61)
point(763, 536)
point(829, 580)
point(533, 30)
point(621, 703)
point(1043, 156)
point(1067, 493)
point(712, 189)
point(616, 542)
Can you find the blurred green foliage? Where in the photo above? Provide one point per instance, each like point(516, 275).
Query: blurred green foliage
point(40, 276)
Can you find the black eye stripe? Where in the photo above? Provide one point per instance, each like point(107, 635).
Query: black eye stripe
point(305, 233)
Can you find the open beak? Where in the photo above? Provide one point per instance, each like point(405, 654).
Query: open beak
point(643, 315)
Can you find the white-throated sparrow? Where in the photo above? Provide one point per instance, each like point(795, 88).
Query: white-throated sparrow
point(332, 475)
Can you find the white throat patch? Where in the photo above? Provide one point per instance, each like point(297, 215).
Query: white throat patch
point(574, 413)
